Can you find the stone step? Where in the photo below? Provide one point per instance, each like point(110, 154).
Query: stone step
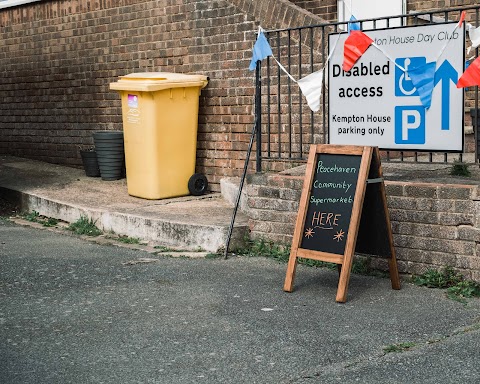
point(66, 194)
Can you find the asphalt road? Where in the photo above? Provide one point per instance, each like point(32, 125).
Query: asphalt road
point(76, 312)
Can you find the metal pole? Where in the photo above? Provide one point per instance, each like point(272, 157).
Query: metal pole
point(245, 168)
point(258, 121)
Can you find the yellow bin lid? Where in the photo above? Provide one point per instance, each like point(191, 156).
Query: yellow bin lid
point(157, 81)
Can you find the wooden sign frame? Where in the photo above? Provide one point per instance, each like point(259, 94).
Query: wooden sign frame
point(369, 165)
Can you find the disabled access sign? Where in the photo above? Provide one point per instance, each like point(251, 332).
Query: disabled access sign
point(376, 102)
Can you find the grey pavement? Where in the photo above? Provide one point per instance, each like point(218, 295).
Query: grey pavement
point(66, 194)
point(73, 311)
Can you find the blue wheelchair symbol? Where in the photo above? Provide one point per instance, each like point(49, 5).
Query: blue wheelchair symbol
point(403, 83)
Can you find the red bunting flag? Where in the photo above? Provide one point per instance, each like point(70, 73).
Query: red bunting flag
point(471, 76)
point(462, 18)
point(355, 46)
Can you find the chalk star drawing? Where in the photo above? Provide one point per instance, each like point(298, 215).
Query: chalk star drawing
point(309, 232)
point(339, 236)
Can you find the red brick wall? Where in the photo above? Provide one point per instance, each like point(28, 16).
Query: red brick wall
point(327, 9)
point(59, 57)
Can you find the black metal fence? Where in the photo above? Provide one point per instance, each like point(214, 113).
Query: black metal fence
point(285, 124)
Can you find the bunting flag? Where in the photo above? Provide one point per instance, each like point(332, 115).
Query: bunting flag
point(423, 79)
point(462, 18)
point(311, 87)
point(355, 46)
point(352, 26)
point(261, 50)
point(474, 34)
point(471, 76)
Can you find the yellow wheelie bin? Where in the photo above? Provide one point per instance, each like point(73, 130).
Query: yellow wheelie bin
point(160, 121)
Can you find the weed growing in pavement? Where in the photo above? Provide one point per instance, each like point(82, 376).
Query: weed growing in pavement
point(463, 290)
point(85, 226)
point(457, 287)
point(438, 279)
point(162, 249)
point(281, 252)
point(32, 216)
point(35, 217)
point(401, 347)
point(128, 240)
point(459, 168)
point(265, 248)
point(50, 222)
point(363, 266)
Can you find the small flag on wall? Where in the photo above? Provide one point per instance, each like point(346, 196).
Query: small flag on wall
point(261, 50)
point(355, 46)
point(311, 87)
point(471, 76)
point(462, 19)
point(352, 26)
point(474, 34)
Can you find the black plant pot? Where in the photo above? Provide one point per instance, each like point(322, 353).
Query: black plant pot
point(110, 154)
point(90, 163)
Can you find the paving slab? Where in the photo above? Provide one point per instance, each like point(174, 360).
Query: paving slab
point(67, 194)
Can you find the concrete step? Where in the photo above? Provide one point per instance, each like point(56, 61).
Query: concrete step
point(66, 194)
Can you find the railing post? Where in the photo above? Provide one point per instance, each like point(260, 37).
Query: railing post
point(476, 136)
point(258, 115)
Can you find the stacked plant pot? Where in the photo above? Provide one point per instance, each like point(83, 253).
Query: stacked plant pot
point(90, 163)
point(110, 154)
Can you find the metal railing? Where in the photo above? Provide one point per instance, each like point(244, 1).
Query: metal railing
point(286, 125)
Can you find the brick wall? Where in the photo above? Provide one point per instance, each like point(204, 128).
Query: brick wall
point(276, 14)
point(326, 9)
point(58, 58)
point(433, 225)
point(436, 225)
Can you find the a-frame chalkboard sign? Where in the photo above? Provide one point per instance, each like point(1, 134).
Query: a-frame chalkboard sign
point(343, 209)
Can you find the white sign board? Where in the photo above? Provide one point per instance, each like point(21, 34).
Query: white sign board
point(376, 104)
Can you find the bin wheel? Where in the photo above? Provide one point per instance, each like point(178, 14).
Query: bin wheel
point(197, 185)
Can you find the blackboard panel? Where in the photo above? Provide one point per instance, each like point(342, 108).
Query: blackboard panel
point(330, 201)
point(374, 233)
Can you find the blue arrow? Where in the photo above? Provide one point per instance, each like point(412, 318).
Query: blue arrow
point(445, 73)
